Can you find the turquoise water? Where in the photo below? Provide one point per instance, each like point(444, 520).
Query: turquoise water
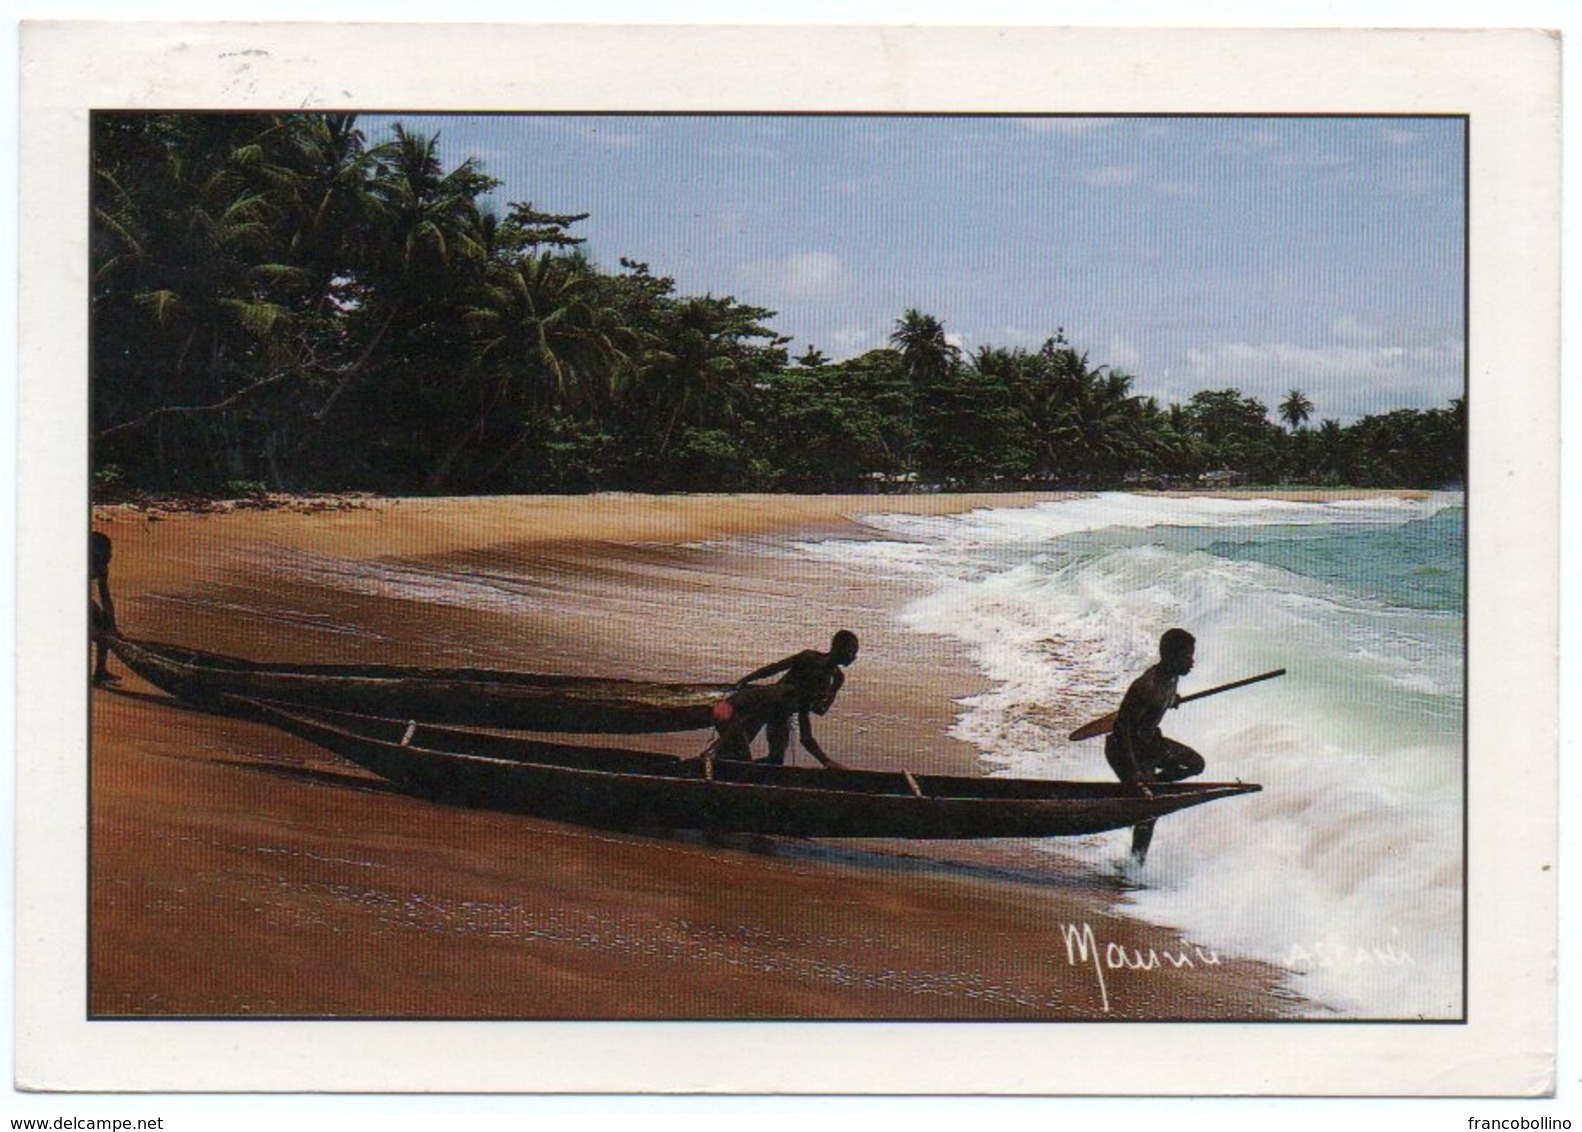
point(1418, 564)
point(1352, 854)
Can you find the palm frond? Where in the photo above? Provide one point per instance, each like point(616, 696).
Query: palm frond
point(164, 304)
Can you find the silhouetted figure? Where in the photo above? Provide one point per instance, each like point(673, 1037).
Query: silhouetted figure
point(811, 681)
point(101, 614)
point(1136, 749)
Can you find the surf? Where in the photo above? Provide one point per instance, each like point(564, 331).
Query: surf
point(1354, 849)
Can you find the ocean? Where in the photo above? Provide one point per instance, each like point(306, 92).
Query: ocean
point(1346, 872)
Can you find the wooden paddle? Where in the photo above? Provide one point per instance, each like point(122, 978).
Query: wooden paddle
point(1106, 724)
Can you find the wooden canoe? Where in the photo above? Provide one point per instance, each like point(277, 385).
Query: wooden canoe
point(638, 789)
point(480, 697)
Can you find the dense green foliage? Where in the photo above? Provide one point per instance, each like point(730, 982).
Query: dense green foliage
point(276, 302)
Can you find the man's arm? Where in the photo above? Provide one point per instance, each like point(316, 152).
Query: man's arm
point(1125, 732)
point(826, 698)
point(810, 744)
point(768, 670)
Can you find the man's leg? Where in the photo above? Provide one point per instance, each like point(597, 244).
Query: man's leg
point(96, 645)
point(1169, 761)
point(736, 738)
point(1142, 837)
point(1175, 761)
point(778, 732)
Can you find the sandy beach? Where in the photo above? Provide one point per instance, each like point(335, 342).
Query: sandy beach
point(237, 871)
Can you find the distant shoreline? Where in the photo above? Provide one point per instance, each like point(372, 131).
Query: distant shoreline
point(946, 501)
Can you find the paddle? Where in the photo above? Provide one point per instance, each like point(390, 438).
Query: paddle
point(1106, 724)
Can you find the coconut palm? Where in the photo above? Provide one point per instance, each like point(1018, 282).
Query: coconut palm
point(927, 358)
point(1330, 457)
point(926, 353)
point(546, 322)
point(707, 363)
point(1295, 409)
point(203, 296)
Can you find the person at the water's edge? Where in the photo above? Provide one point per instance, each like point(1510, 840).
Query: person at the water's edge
point(101, 613)
point(811, 681)
point(1136, 749)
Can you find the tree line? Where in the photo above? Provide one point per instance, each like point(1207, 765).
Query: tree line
point(277, 303)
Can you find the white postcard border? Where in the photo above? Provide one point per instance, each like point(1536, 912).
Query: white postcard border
point(1507, 82)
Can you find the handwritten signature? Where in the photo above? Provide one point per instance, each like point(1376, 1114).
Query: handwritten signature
point(1084, 949)
point(1335, 953)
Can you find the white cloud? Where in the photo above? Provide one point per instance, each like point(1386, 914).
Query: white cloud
point(1416, 177)
point(1343, 381)
point(801, 275)
point(1011, 335)
point(1398, 135)
point(809, 275)
point(1349, 328)
point(850, 341)
point(1121, 354)
point(1316, 361)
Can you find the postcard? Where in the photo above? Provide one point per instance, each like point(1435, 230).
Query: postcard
point(788, 560)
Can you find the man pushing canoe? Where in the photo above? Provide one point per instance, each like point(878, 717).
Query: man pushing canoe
point(101, 613)
point(1136, 749)
point(811, 681)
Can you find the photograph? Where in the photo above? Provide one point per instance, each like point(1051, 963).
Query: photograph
point(959, 432)
point(791, 561)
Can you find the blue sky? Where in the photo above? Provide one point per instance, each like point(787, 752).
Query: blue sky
point(1262, 253)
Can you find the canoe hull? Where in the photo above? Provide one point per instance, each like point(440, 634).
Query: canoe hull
point(481, 697)
point(634, 789)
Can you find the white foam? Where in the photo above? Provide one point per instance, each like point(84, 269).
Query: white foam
point(1347, 862)
point(394, 579)
point(1114, 510)
point(1346, 870)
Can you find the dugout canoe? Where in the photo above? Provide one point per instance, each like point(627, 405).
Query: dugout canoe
point(479, 697)
point(639, 789)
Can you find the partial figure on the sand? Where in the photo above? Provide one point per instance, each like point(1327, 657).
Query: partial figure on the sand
point(1136, 749)
point(811, 682)
point(101, 613)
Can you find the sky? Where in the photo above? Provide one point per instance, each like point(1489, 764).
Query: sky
point(1265, 254)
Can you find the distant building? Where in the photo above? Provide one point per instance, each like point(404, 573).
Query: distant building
point(1224, 477)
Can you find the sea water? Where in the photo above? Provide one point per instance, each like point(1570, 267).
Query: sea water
point(1346, 872)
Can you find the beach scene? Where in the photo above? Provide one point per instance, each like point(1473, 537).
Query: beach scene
point(412, 417)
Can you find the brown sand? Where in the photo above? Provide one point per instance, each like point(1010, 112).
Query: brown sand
point(237, 871)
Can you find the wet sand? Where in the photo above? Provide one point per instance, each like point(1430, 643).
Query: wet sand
point(238, 871)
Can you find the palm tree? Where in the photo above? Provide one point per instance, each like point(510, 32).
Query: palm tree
point(1181, 449)
point(1108, 417)
point(544, 339)
point(1089, 425)
point(926, 354)
point(1295, 409)
point(1032, 397)
point(706, 344)
point(549, 318)
point(203, 298)
point(1331, 456)
point(927, 359)
point(423, 253)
